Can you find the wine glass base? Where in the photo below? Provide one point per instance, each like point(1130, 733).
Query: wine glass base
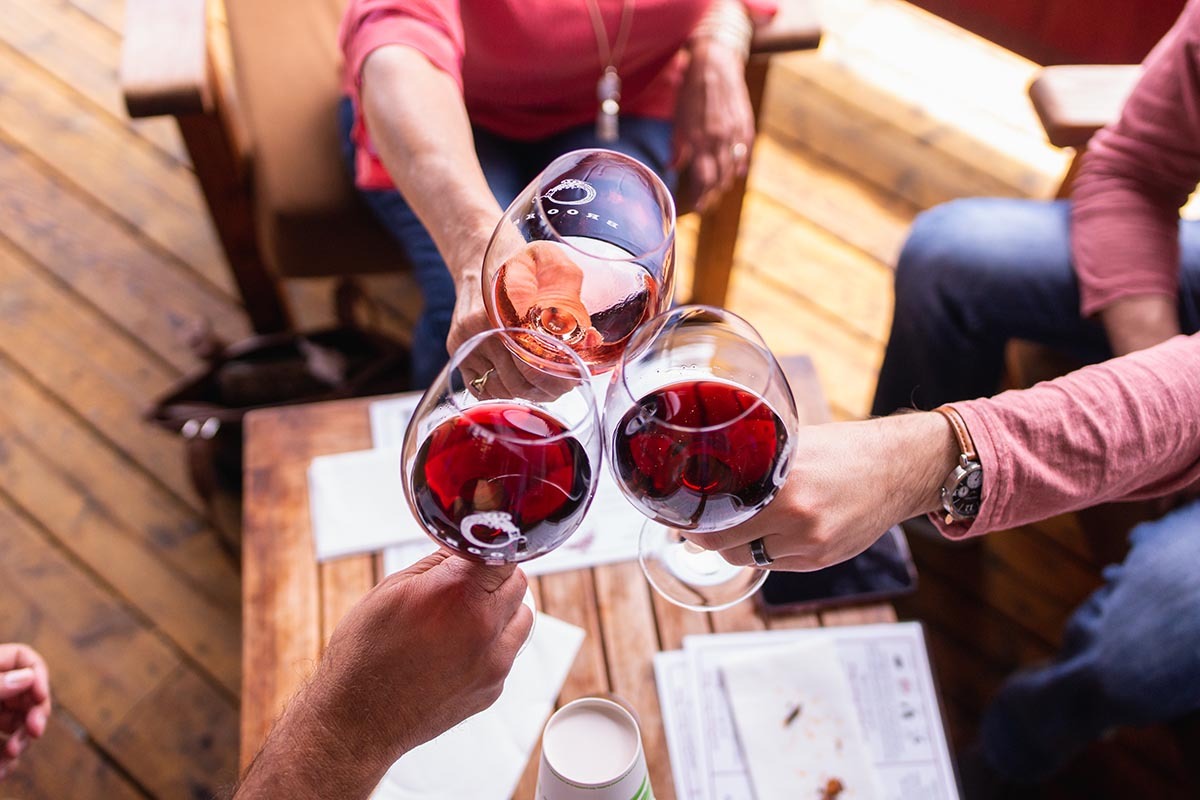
point(690, 576)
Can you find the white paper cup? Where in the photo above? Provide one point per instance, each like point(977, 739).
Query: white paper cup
point(592, 750)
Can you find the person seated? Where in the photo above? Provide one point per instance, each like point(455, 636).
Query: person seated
point(24, 702)
point(1110, 271)
point(425, 649)
point(1126, 429)
point(451, 109)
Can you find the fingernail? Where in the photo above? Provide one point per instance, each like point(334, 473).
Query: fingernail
point(18, 678)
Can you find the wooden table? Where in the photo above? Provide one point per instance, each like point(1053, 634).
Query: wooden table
point(291, 603)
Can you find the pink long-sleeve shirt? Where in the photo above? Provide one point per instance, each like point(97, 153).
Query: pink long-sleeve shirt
point(1127, 429)
point(1137, 174)
point(527, 69)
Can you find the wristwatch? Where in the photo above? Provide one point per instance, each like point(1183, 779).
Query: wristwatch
point(962, 493)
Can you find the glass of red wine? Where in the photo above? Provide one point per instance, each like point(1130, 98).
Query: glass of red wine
point(699, 424)
point(584, 255)
point(501, 457)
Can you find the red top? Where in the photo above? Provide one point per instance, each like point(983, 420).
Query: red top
point(1136, 176)
point(527, 68)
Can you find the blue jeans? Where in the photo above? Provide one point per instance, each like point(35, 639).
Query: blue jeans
point(509, 166)
point(972, 275)
point(975, 274)
point(1130, 656)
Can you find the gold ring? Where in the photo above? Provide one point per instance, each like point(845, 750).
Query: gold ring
point(738, 150)
point(482, 380)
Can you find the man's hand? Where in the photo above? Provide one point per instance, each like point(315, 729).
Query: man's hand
point(1140, 322)
point(714, 122)
point(24, 702)
point(422, 651)
point(849, 483)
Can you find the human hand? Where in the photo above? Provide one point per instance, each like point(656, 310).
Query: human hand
point(422, 651)
point(714, 123)
point(24, 702)
point(1136, 323)
point(849, 483)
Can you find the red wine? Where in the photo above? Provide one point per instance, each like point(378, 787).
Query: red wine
point(588, 296)
point(708, 479)
point(488, 485)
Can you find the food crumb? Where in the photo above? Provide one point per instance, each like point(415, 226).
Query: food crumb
point(793, 715)
point(833, 788)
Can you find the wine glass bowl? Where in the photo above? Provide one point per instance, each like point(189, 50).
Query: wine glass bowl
point(501, 458)
point(583, 256)
point(700, 421)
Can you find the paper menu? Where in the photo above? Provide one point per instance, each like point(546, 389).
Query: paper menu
point(796, 722)
point(679, 721)
point(890, 679)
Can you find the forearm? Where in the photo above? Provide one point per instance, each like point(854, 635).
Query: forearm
point(1125, 429)
point(307, 755)
point(419, 125)
point(1138, 322)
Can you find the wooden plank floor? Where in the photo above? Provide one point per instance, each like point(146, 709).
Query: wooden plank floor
point(108, 562)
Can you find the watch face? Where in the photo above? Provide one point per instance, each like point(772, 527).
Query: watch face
point(968, 493)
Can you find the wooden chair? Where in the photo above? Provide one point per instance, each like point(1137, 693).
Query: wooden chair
point(256, 109)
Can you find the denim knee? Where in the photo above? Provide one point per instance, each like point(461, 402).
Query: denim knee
point(936, 257)
point(1149, 660)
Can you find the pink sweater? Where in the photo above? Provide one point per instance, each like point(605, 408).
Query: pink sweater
point(1127, 429)
point(1137, 174)
point(527, 68)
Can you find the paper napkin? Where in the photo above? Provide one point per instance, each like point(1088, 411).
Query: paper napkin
point(484, 757)
point(798, 724)
point(357, 503)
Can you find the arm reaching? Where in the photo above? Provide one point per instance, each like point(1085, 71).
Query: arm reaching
point(419, 124)
point(1125, 429)
point(422, 651)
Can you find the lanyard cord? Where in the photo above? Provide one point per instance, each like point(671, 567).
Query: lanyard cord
point(611, 56)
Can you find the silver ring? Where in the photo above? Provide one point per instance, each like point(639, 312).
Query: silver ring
point(482, 380)
point(758, 552)
point(738, 150)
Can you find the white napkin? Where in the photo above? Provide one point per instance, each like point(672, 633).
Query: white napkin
point(357, 503)
point(484, 757)
point(822, 741)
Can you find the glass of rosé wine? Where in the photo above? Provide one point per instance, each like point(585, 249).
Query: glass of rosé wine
point(584, 255)
point(699, 425)
point(501, 457)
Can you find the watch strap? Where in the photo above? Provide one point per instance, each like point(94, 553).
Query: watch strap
point(965, 443)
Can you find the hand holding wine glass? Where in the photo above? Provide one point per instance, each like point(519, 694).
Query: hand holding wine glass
point(700, 425)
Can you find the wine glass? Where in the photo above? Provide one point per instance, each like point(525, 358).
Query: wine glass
point(584, 255)
point(501, 457)
point(699, 425)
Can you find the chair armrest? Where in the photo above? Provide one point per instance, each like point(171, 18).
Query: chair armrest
point(794, 27)
point(1073, 102)
point(164, 58)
